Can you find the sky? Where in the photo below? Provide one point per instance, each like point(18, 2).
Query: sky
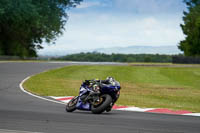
point(120, 23)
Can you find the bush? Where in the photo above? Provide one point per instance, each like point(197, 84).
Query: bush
point(185, 60)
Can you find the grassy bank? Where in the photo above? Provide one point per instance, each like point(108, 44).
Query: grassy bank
point(166, 87)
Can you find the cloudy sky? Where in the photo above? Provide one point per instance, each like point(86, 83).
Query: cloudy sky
point(112, 23)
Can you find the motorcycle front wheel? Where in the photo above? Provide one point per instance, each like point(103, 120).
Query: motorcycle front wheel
point(71, 105)
point(101, 105)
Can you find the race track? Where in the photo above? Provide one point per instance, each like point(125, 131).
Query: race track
point(22, 112)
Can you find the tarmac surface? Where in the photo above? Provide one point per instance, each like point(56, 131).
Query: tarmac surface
point(20, 112)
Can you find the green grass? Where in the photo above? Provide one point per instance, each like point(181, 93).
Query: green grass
point(158, 87)
point(28, 61)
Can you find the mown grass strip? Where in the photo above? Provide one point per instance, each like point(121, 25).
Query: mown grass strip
point(158, 87)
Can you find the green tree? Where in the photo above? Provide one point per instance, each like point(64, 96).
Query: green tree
point(25, 24)
point(147, 59)
point(191, 29)
point(101, 57)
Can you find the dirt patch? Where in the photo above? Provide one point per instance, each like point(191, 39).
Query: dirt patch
point(172, 88)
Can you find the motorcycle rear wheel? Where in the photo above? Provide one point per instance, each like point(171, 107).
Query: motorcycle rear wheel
point(71, 105)
point(105, 101)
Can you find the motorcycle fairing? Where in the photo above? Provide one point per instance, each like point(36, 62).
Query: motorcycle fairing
point(83, 106)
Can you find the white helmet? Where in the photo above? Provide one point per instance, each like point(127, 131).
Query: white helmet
point(110, 79)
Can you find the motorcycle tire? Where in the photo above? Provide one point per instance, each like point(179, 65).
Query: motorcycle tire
point(98, 109)
point(71, 105)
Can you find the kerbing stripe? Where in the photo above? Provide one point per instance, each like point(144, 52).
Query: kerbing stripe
point(137, 109)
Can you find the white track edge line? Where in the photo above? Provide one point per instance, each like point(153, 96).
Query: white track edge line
point(29, 93)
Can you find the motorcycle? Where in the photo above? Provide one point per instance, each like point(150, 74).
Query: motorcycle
point(96, 96)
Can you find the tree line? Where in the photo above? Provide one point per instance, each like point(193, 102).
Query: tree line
point(101, 57)
point(26, 24)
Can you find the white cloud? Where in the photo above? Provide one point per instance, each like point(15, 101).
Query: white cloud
point(102, 29)
point(109, 31)
point(88, 4)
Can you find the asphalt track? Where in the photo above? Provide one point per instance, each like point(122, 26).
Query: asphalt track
point(22, 112)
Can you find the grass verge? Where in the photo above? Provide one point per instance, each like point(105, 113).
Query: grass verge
point(157, 87)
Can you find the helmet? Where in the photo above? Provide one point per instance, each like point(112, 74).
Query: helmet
point(110, 79)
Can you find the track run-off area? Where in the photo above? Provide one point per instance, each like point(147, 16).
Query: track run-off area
point(20, 112)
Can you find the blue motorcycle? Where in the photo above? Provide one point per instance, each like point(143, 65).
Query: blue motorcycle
point(96, 96)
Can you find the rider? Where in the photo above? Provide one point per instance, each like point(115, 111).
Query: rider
point(109, 80)
point(90, 86)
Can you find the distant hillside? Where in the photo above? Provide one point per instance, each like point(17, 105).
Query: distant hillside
point(123, 50)
point(141, 50)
